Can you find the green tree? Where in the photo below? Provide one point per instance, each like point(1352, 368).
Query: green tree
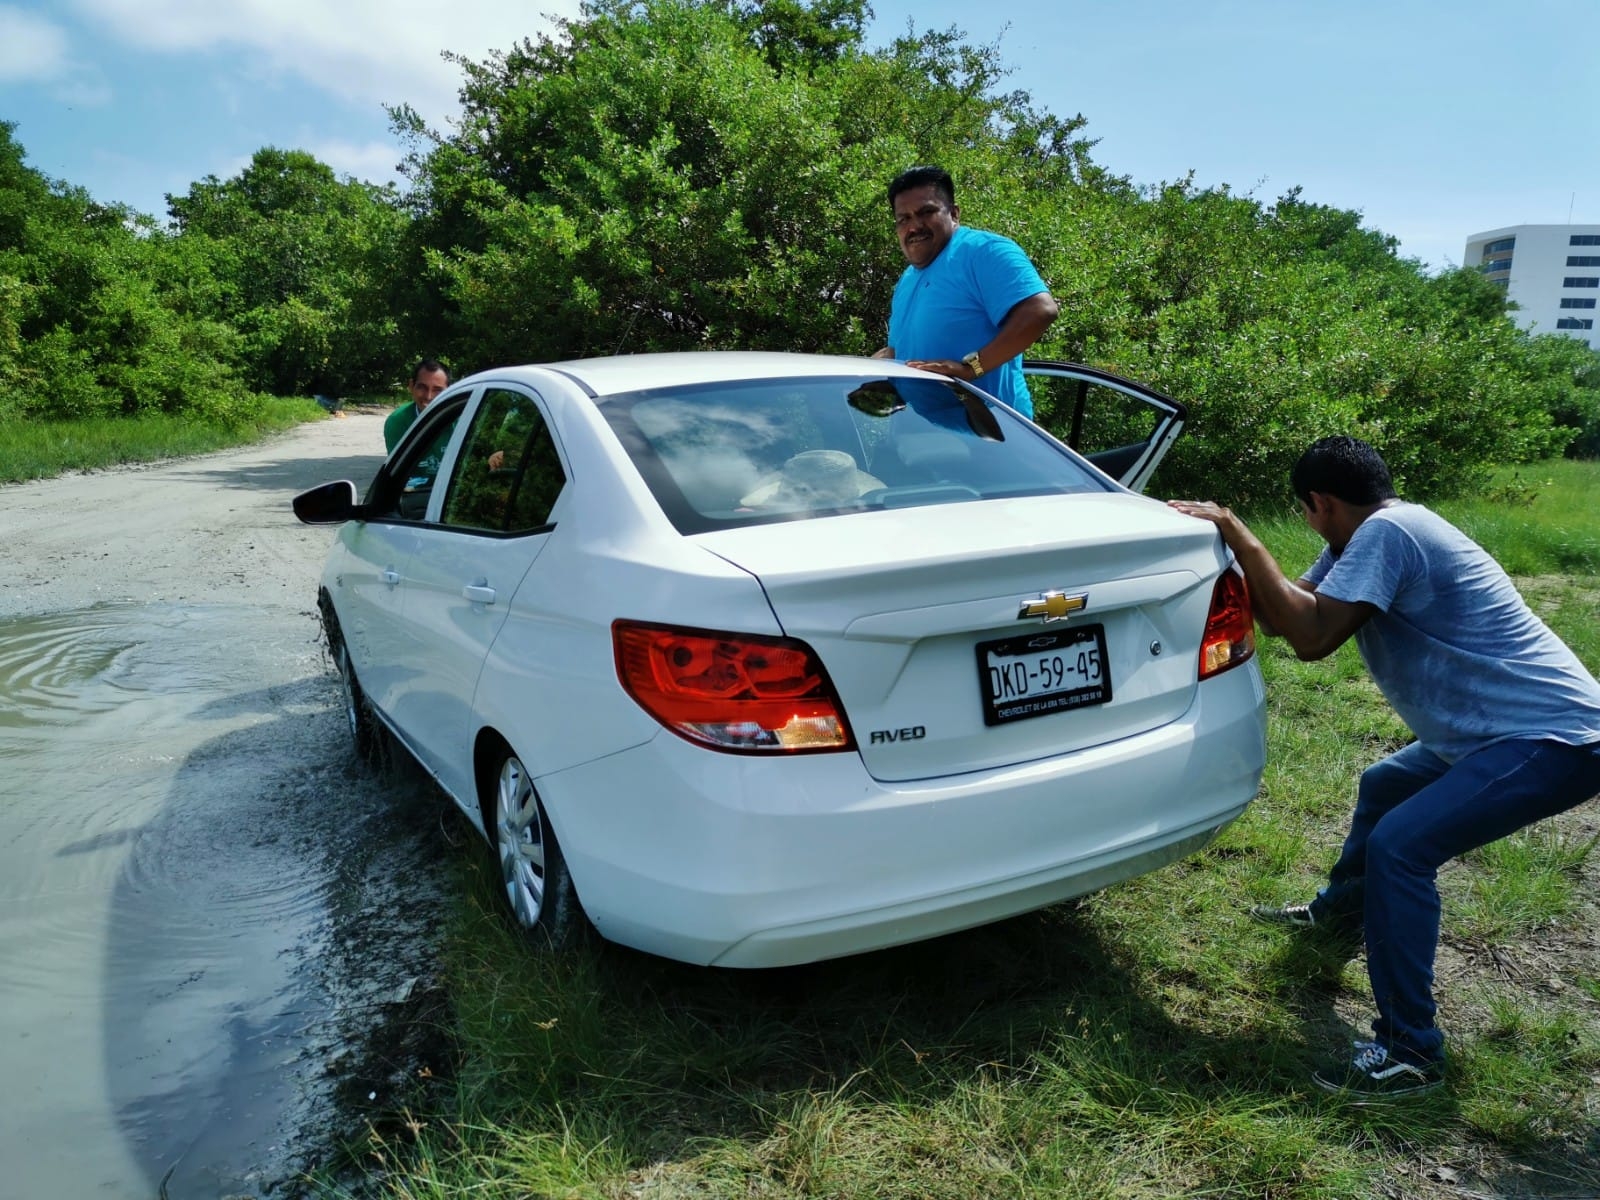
point(1564, 376)
point(682, 174)
point(672, 175)
point(93, 320)
point(1279, 324)
point(796, 36)
point(303, 264)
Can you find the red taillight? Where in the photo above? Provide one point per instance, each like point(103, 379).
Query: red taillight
point(1230, 636)
point(732, 691)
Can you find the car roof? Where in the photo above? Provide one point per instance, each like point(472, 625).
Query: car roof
point(633, 372)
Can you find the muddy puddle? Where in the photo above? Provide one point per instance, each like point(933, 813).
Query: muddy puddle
point(205, 905)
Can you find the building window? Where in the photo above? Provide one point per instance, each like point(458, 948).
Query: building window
point(1581, 281)
point(1569, 302)
point(1506, 244)
point(1585, 239)
point(1502, 264)
point(1575, 323)
point(1583, 260)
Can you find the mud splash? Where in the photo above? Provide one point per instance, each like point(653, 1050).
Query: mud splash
point(206, 908)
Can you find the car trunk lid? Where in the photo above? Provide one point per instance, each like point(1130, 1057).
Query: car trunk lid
point(920, 615)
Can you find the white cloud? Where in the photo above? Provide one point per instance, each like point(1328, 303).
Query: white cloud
point(85, 89)
point(37, 53)
point(372, 161)
point(31, 48)
point(364, 50)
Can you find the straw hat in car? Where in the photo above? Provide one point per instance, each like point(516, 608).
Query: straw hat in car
point(813, 479)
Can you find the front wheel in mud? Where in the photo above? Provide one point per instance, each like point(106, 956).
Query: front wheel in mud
point(533, 870)
point(365, 731)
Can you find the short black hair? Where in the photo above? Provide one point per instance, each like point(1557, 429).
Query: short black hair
point(1345, 467)
point(921, 177)
point(430, 365)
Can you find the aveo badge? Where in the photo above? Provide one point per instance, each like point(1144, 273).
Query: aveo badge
point(1052, 606)
point(885, 736)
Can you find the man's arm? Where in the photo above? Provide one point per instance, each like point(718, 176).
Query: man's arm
point(1266, 626)
point(1313, 624)
point(1024, 325)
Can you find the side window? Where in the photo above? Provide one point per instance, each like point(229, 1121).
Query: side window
point(1122, 427)
point(1091, 417)
point(508, 474)
point(412, 477)
point(539, 482)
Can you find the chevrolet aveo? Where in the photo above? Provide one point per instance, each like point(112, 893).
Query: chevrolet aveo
point(760, 659)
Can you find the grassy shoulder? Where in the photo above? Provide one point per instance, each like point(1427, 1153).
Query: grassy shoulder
point(1144, 1041)
point(43, 449)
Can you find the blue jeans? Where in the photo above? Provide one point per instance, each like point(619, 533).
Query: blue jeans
point(1415, 812)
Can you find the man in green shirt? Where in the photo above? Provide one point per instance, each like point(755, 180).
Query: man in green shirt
point(428, 379)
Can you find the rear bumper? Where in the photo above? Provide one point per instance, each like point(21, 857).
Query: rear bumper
point(727, 860)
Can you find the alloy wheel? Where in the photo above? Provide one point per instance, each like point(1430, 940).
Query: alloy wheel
point(519, 842)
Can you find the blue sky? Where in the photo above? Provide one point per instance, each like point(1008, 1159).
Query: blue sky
point(1435, 118)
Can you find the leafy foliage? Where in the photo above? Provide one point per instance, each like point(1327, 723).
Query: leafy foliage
point(1280, 324)
point(95, 312)
point(299, 264)
point(665, 174)
point(710, 174)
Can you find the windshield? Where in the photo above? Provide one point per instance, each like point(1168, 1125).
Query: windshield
point(722, 455)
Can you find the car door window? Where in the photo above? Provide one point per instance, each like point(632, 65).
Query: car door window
point(404, 486)
point(1125, 429)
point(508, 474)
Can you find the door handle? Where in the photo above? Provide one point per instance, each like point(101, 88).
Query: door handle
point(478, 593)
point(391, 576)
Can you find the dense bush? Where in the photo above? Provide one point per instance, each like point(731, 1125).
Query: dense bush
point(301, 265)
point(94, 319)
point(1279, 325)
point(710, 174)
point(668, 174)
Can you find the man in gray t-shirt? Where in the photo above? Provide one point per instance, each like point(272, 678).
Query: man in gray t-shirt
point(1507, 721)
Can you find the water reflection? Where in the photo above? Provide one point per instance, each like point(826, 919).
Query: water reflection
point(49, 668)
point(195, 897)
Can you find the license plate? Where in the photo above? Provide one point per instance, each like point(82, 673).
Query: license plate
point(1042, 673)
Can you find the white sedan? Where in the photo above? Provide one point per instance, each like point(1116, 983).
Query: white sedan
point(760, 659)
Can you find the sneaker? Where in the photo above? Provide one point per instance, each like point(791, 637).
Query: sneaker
point(1374, 1075)
point(1337, 933)
point(1299, 916)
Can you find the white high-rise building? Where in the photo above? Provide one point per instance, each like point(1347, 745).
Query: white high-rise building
point(1551, 272)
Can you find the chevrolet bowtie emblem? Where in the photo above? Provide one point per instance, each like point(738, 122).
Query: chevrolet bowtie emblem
point(1052, 606)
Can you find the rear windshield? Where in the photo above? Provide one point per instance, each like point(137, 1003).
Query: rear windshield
point(722, 455)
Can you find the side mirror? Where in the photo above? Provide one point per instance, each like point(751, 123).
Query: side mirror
point(328, 504)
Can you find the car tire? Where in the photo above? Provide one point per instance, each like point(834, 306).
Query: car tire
point(365, 731)
point(533, 871)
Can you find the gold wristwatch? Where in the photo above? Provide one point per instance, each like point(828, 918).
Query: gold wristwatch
point(972, 360)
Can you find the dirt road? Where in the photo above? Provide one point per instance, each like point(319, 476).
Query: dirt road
point(216, 528)
point(206, 908)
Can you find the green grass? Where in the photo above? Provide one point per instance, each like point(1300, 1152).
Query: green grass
point(1525, 881)
point(1147, 1041)
point(1540, 519)
point(43, 449)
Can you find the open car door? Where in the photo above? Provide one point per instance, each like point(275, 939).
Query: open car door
point(1122, 427)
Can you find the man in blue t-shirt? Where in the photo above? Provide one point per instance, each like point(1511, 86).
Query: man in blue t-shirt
point(970, 303)
point(1507, 721)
